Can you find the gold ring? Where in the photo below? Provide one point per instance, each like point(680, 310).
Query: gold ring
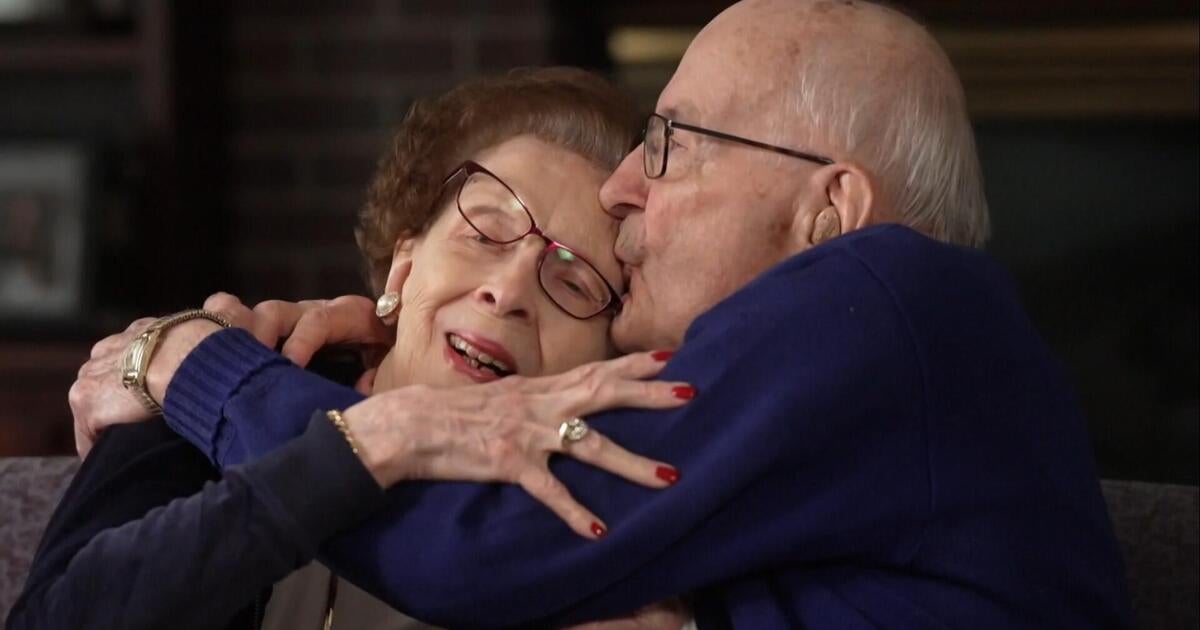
point(572, 430)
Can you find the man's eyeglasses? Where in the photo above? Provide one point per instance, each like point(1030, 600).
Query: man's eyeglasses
point(656, 144)
point(496, 212)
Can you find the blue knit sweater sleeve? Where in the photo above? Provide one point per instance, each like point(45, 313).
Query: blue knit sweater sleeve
point(236, 400)
point(771, 421)
point(879, 437)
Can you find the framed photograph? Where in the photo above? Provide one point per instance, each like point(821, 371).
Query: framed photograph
point(43, 240)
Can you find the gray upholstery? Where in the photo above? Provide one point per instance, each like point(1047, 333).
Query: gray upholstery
point(1157, 525)
point(30, 487)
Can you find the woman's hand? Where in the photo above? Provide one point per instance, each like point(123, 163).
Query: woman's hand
point(507, 430)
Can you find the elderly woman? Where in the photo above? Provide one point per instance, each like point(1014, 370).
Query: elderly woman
point(483, 222)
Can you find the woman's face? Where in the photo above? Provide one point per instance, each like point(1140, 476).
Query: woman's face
point(461, 290)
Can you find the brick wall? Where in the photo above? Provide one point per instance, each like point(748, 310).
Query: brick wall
point(312, 92)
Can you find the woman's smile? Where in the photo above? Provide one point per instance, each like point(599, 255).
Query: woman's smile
point(485, 306)
point(479, 358)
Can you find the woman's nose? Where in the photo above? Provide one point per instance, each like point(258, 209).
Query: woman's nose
point(511, 286)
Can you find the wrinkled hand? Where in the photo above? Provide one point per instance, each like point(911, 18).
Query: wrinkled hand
point(97, 397)
point(310, 325)
point(507, 430)
point(668, 615)
point(98, 400)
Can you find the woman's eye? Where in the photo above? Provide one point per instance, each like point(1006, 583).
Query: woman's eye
point(581, 288)
point(481, 239)
point(574, 288)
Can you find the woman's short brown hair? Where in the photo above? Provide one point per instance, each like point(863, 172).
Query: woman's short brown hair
point(567, 107)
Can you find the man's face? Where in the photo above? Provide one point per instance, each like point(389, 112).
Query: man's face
point(719, 215)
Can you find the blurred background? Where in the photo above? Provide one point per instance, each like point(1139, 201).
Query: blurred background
point(154, 152)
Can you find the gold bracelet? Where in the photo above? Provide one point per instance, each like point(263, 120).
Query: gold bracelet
point(335, 417)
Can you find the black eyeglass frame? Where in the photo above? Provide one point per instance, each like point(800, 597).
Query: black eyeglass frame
point(468, 168)
point(669, 127)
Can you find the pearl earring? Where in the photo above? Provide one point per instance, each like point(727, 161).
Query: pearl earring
point(386, 305)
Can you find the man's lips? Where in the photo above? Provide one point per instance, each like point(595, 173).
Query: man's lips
point(631, 279)
point(627, 275)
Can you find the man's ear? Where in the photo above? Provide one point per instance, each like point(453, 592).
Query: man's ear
point(840, 198)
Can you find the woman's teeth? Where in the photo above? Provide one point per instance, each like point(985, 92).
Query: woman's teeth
point(477, 357)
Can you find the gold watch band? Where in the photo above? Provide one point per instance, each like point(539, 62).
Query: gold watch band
point(135, 363)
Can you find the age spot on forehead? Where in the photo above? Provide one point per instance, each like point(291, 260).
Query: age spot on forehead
point(826, 6)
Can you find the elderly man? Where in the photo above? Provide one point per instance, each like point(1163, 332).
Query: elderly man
point(880, 438)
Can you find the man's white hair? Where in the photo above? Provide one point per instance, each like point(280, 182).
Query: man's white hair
point(907, 125)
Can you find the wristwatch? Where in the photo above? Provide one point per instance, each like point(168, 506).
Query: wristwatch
point(136, 360)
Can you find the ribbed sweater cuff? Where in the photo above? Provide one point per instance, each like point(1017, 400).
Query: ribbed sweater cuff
point(207, 379)
point(318, 482)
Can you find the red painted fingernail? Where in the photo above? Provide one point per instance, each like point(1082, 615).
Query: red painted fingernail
point(667, 474)
point(598, 530)
point(662, 355)
point(684, 392)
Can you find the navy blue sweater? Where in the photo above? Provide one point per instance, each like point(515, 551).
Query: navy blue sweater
point(150, 536)
point(880, 440)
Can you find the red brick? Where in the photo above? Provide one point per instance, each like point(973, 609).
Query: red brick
point(296, 204)
point(260, 280)
point(384, 57)
point(503, 53)
point(519, 7)
point(289, 233)
point(306, 114)
point(264, 172)
point(311, 29)
point(262, 57)
point(438, 7)
point(339, 277)
point(251, 143)
point(290, 8)
point(275, 273)
point(353, 172)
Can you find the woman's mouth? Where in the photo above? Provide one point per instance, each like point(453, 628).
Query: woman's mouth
point(472, 357)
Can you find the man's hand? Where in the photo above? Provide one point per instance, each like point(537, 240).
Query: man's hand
point(310, 325)
point(503, 431)
point(99, 400)
point(97, 397)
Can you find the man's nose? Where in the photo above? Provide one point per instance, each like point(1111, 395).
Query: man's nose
point(625, 190)
point(510, 287)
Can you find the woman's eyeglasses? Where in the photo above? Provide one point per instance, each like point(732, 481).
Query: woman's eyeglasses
point(496, 212)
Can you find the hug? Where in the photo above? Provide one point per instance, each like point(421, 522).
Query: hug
point(752, 373)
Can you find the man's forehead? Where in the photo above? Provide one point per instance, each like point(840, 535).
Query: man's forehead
point(690, 100)
point(684, 110)
point(713, 78)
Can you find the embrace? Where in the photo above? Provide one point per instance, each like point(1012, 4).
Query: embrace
point(753, 373)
